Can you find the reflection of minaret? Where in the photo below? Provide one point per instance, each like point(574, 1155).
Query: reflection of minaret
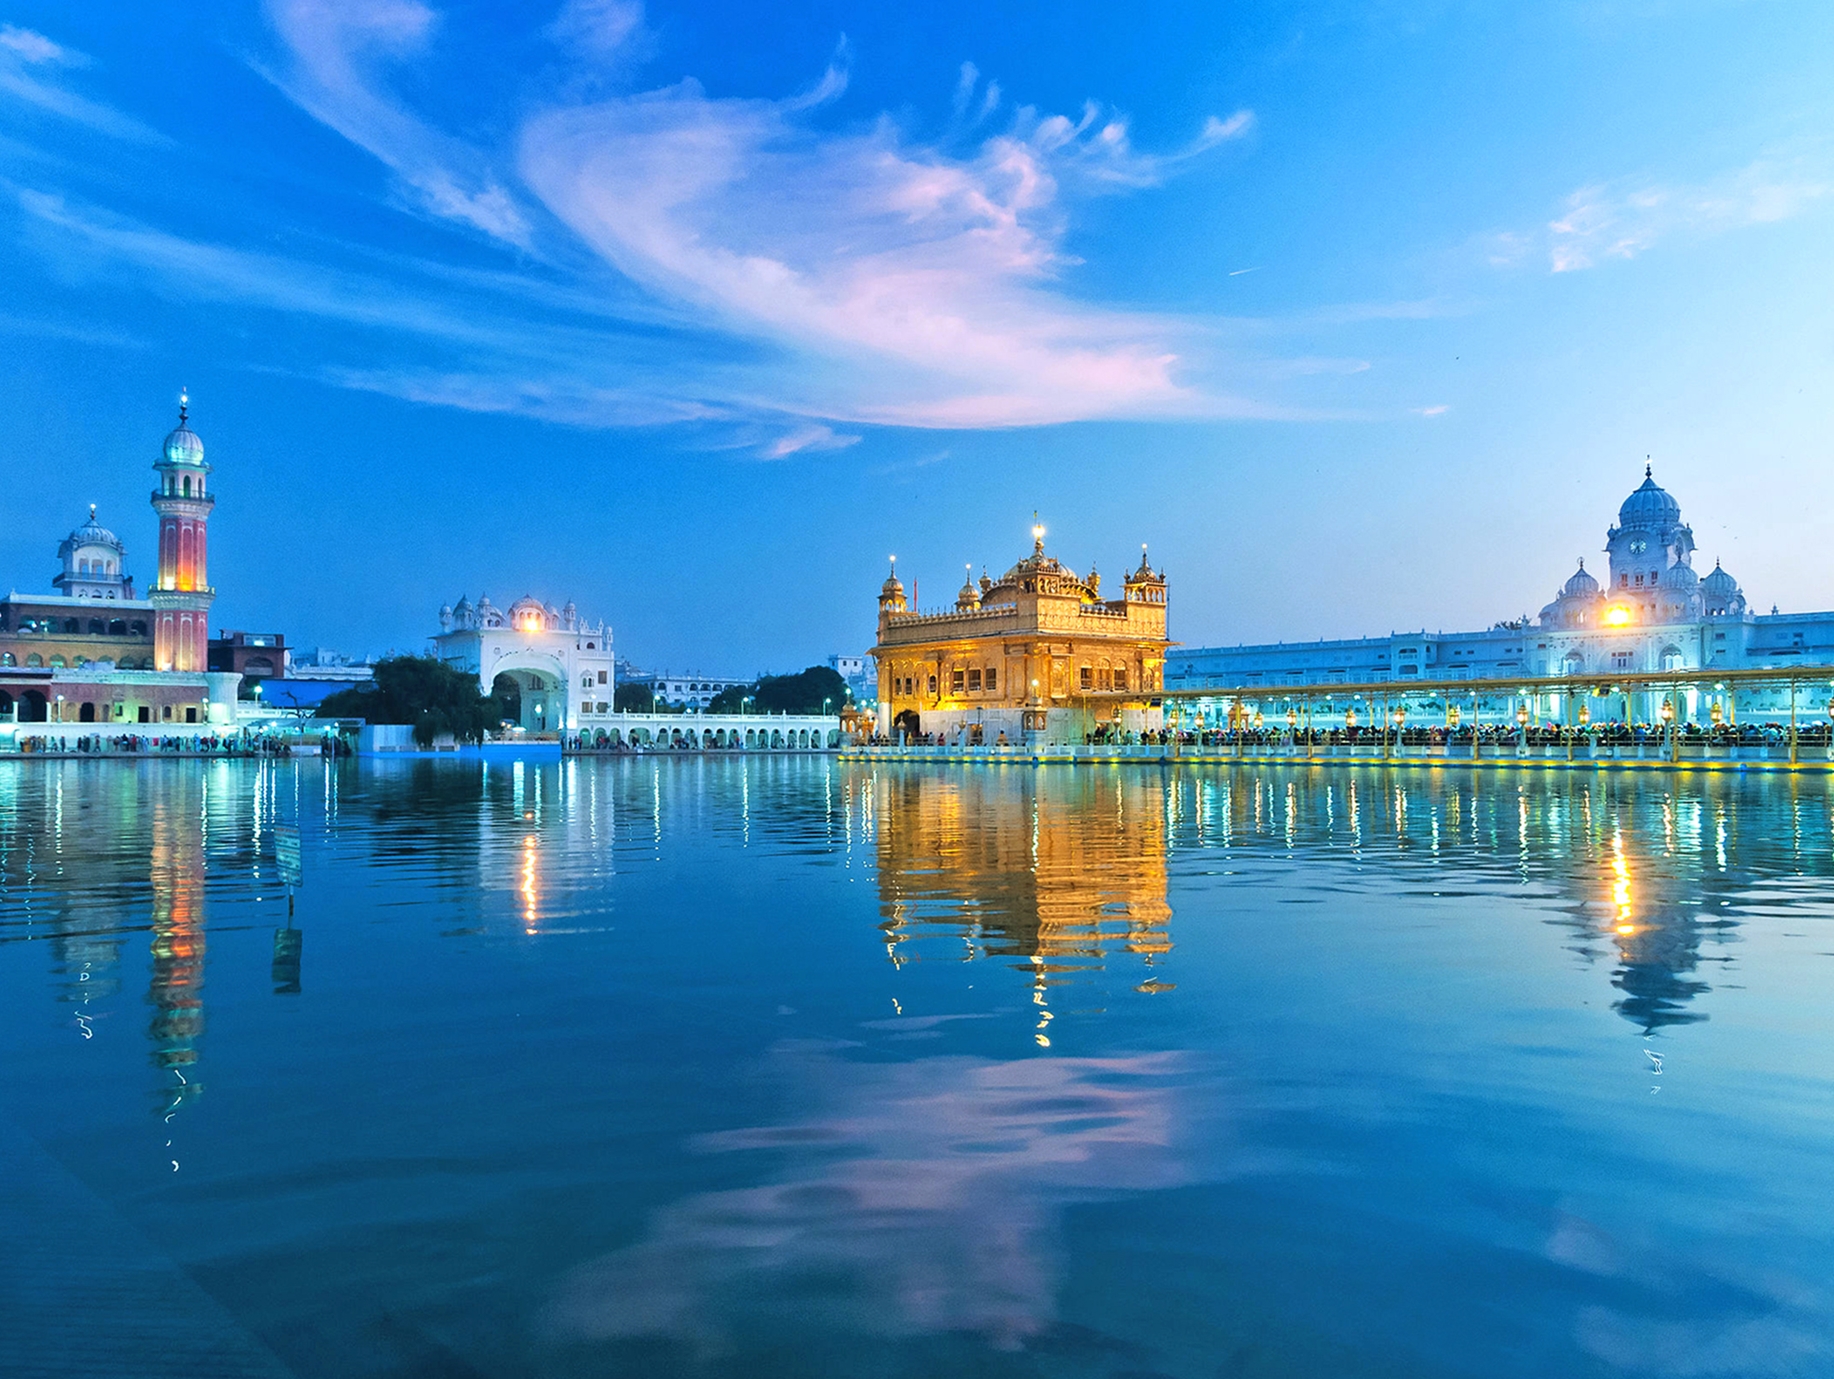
point(1056, 870)
point(177, 882)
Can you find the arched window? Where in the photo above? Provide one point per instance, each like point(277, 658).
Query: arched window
point(95, 627)
point(186, 485)
point(117, 627)
point(72, 625)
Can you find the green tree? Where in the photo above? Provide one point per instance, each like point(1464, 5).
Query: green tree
point(731, 699)
point(422, 691)
point(805, 692)
point(633, 698)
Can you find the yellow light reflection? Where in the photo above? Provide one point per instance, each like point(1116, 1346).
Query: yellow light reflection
point(531, 891)
point(1617, 615)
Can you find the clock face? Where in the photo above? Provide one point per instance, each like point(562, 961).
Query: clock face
point(1638, 545)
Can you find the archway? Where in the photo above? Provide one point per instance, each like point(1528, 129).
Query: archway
point(532, 692)
point(6, 705)
point(31, 707)
point(907, 723)
point(87, 713)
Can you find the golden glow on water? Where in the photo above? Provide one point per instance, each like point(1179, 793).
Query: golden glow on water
point(530, 888)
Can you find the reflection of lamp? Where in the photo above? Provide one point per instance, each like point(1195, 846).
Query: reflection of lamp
point(1668, 711)
point(1349, 718)
point(1585, 714)
point(1452, 716)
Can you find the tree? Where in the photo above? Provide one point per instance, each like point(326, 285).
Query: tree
point(807, 691)
point(422, 691)
point(633, 698)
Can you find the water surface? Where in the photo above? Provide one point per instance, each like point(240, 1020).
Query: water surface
point(792, 1067)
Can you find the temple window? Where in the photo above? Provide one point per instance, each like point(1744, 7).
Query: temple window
point(993, 679)
point(932, 684)
point(974, 680)
point(1120, 677)
point(1087, 678)
point(958, 681)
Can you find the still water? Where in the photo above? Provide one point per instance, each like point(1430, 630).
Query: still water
point(792, 1067)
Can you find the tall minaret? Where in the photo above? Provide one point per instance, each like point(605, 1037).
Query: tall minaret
point(181, 595)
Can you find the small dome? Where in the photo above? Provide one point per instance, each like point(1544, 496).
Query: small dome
point(1581, 585)
point(91, 533)
point(968, 596)
point(1680, 577)
point(1719, 583)
point(183, 446)
point(892, 588)
point(1650, 506)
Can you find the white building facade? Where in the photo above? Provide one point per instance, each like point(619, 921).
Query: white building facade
point(560, 663)
point(1652, 612)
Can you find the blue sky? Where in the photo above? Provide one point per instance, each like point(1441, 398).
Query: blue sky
point(1363, 315)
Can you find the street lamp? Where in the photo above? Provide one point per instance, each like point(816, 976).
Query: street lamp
point(1522, 728)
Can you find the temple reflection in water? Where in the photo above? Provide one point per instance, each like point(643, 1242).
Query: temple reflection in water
point(1055, 869)
point(1063, 870)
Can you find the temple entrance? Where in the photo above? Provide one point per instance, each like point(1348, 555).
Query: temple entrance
point(31, 707)
point(906, 723)
point(531, 699)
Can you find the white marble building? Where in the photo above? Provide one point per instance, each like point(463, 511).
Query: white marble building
point(562, 664)
point(1652, 612)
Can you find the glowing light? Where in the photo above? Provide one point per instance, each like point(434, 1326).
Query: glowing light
point(530, 890)
point(1617, 615)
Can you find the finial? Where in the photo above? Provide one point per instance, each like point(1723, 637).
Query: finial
point(1037, 534)
point(184, 404)
point(1648, 468)
point(1582, 562)
point(92, 512)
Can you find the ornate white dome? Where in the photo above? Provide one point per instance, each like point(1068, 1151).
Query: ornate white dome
point(1718, 583)
point(1650, 505)
point(1581, 585)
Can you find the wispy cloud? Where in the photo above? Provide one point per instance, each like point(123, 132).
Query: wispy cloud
point(908, 282)
point(936, 274)
point(30, 64)
point(1438, 409)
point(337, 50)
point(805, 439)
point(1621, 219)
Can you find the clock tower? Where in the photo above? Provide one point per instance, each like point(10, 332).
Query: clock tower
point(181, 594)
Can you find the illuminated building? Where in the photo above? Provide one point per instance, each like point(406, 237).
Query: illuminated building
point(181, 594)
point(93, 652)
point(1653, 612)
point(1037, 655)
point(561, 665)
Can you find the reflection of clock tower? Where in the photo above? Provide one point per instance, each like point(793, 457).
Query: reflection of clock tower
point(181, 594)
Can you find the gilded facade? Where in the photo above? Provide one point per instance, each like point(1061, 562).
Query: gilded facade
point(1038, 655)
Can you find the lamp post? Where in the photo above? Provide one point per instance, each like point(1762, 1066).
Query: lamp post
point(1292, 727)
point(1401, 729)
point(1522, 730)
point(1667, 714)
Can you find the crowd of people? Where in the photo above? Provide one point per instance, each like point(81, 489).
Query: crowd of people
point(141, 744)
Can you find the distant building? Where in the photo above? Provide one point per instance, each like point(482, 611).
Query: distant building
point(1037, 655)
point(559, 665)
point(322, 664)
point(691, 690)
point(1651, 612)
point(855, 672)
point(252, 655)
